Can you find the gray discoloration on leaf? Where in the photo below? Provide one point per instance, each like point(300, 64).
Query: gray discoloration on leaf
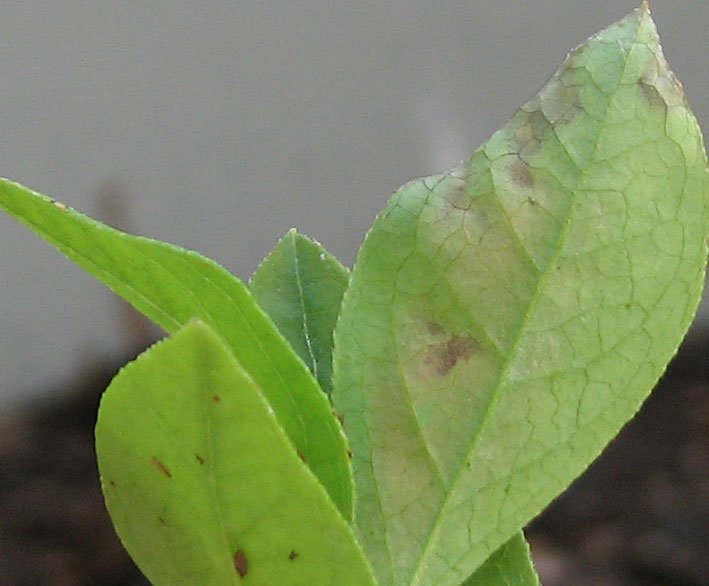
point(560, 103)
point(434, 328)
point(521, 173)
point(650, 93)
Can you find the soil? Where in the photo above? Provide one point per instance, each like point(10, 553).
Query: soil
point(638, 516)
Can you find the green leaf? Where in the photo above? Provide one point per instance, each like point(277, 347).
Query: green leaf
point(505, 319)
point(300, 286)
point(202, 483)
point(171, 285)
point(510, 565)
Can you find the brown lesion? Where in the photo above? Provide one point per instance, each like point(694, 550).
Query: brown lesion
point(160, 467)
point(241, 564)
point(456, 194)
point(444, 356)
point(651, 94)
point(560, 103)
point(521, 173)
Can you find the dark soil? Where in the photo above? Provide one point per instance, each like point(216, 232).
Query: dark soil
point(639, 516)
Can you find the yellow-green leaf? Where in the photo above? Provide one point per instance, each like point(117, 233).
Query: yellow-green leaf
point(202, 484)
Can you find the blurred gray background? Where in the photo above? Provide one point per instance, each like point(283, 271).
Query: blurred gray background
point(219, 125)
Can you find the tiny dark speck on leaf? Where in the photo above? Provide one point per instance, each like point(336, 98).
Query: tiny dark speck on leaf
point(292, 555)
point(216, 398)
point(161, 467)
point(301, 455)
point(241, 564)
point(162, 521)
point(199, 458)
point(112, 483)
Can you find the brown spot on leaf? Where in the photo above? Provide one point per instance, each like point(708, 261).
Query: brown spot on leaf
point(301, 455)
point(339, 417)
point(650, 93)
point(216, 398)
point(453, 187)
point(444, 356)
point(521, 173)
point(112, 482)
point(349, 454)
point(162, 521)
point(161, 467)
point(241, 564)
point(199, 458)
point(292, 555)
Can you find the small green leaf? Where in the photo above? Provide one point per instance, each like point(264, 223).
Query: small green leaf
point(505, 319)
point(171, 285)
point(202, 484)
point(300, 286)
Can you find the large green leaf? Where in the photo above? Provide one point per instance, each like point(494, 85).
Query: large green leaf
point(172, 285)
point(203, 485)
point(300, 285)
point(505, 319)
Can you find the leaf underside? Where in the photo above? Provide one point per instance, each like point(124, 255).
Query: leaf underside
point(506, 318)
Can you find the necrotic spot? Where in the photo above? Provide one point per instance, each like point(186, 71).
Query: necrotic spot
point(241, 564)
point(445, 355)
point(521, 173)
point(161, 467)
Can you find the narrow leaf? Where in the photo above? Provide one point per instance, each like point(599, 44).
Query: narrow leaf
point(203, 485)
point(300, 286)
point(505, 319)
point(171, 285)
